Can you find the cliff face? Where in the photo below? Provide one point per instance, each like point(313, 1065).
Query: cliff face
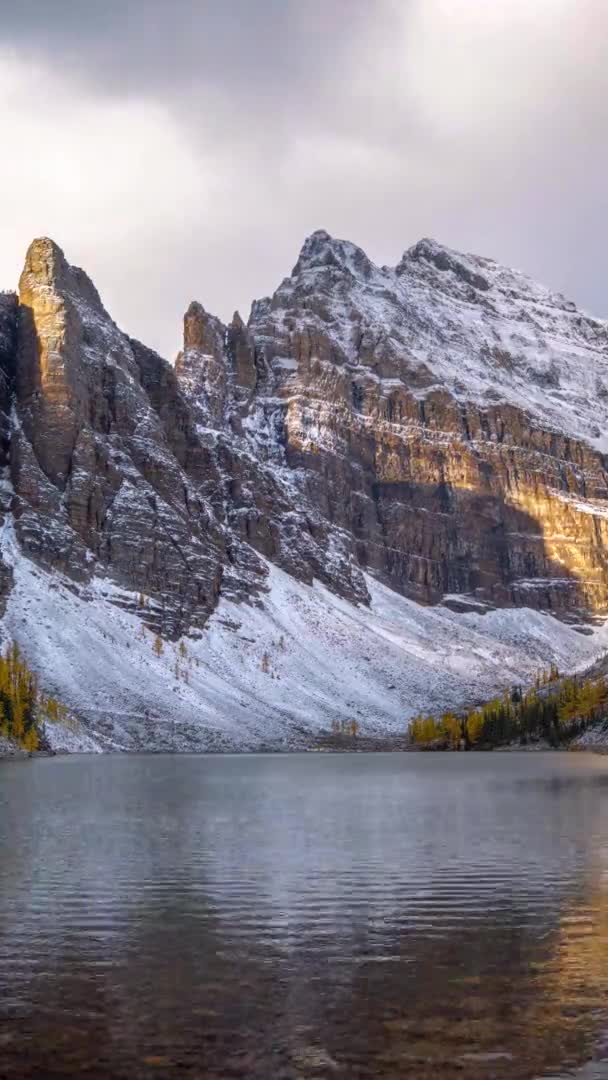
point(449, 415)
point(8, 354)
point(105, 464)
point(440, 426)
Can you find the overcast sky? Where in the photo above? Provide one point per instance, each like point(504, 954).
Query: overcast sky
point(183, 149)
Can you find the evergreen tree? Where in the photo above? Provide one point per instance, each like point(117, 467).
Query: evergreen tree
point(555, 709)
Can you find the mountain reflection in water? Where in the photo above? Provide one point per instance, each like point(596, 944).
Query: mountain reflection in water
point(307, 915)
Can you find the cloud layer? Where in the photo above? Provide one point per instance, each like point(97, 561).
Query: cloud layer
point(184, 150)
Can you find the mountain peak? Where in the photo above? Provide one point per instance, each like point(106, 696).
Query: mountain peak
point(465, 267)
point(46, 265)
point(45, 261)
point(202, 331)
point(320, 250)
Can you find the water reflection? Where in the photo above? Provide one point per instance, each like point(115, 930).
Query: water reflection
point(384, 915)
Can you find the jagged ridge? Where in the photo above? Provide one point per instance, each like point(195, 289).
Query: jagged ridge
point(437, 424)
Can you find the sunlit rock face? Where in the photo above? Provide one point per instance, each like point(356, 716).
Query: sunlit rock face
point(99, 472)
point(449, 415)
point(441, 424)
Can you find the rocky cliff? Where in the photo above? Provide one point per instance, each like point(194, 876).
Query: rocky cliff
point(449, 416)
point(437, 427)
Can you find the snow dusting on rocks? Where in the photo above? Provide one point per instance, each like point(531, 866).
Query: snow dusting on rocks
point(274, 673)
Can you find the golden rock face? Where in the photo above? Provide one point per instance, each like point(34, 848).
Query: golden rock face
point(97, 475)
point(449, 499)
point(48, 369)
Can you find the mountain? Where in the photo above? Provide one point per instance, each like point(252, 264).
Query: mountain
point(387, 492)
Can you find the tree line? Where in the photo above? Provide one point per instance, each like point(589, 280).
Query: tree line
point(23, 708)
point(555, 709)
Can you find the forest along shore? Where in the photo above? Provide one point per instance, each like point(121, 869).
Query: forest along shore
point(568, 712)
point(557, 712)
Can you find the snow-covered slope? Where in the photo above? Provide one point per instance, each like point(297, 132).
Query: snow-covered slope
point(484, 332)
point(274, 673)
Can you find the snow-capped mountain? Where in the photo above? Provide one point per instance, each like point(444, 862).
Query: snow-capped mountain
point(348, 506)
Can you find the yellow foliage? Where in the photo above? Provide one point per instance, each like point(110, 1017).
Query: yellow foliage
point(451, 729)
point(474, 726)
point(30, 740)
point(21, 704)
point(554, 709)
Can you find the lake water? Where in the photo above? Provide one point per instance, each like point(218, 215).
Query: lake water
point(385, 915)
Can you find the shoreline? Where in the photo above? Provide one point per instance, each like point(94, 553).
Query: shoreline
point(23, 755)
point(372, 746)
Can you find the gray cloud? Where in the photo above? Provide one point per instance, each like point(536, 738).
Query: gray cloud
point(185, 149)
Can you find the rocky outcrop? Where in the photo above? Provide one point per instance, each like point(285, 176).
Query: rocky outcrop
point(439, 424)
point(218, 373)
point(8, 351)
point(9, 309)
point(107, 472)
